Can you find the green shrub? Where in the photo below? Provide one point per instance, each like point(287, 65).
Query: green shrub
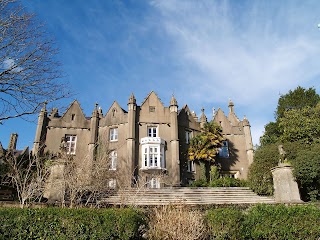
point(260, 178)
point(55, 223)
point(228, 182)
point(224, 223)
point(277, 222)
point(281, 222)
point(199, 183)
point(306, 169)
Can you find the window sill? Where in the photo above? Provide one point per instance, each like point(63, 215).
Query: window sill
point(153, 169)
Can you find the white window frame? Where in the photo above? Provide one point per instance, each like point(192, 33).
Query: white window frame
point(188, 136)
point(113, 132)
point(112, 183)
point(113, 157)
point(153, 156)
point(71, 143)
point(154, 182)
point(152, 131)
point(191, 166)
point(224, 150)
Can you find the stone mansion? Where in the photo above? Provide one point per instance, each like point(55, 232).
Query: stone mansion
point(149, 139)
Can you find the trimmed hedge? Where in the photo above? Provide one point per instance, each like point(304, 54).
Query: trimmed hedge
point(224, 223)
point(265, 222)
point(258, 222)
point(56, 223)
point(281, 222)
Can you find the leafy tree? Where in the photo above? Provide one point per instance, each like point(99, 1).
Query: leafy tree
point(297, 99)
point(301, 125)
point(271, 134)
point(29, 71)
point(205, 146)
point(260, 177)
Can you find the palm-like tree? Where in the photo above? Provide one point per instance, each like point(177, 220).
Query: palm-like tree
point(205, 146)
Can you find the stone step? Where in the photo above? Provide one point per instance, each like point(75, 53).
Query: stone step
point(194, 196)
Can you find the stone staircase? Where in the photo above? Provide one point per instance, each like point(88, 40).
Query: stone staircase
point(185, 195)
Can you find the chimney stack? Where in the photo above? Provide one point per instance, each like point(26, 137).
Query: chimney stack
point(13, 141)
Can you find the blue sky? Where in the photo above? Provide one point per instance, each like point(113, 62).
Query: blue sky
point(203, 52)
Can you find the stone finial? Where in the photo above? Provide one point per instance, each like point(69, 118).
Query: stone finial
point(194, 115)
point(173, 101)
point(245, 121)
point(231, 106)
point(44, 108)
point(203, 117)
point(100, 111)
point(132, 99)
point(95, 110)
point(54, 112)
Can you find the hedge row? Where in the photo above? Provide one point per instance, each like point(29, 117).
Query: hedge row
point(258, 222)
point(265, 222)
point(56, 223)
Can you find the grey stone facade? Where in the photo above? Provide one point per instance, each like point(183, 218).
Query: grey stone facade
point(147, 140)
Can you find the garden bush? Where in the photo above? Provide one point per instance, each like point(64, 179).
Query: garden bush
point(224, 223)
point(277, 222)
point(228, 182)
point(56, 223)
point(281, 222)
point(199, 183)
point(260, 177)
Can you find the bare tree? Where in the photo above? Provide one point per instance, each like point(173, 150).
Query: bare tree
point(27, 174)
point(29, 72)
point(91, 179)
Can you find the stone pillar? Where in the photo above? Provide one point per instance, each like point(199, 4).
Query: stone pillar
point(87, 162)
point(248, 139)
point(131, 139)
point(13, 141)
point(203, 119)
point(285, 187)
point(94, 128)
point(39, 140)
point(175, 162)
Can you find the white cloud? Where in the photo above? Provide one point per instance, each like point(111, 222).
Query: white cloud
point(9, 63)
point(248, 53)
